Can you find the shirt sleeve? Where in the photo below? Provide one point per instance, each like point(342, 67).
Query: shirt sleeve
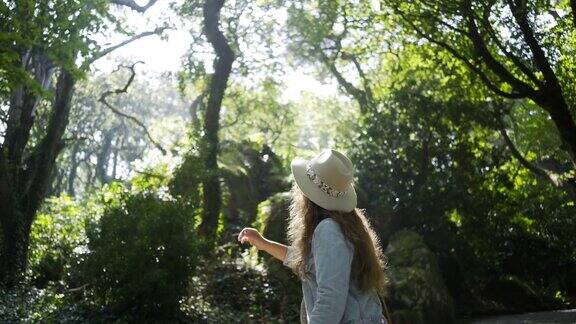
point(289, 260)
point(333, 260)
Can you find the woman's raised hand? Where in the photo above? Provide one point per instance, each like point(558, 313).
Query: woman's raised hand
point(252, 236)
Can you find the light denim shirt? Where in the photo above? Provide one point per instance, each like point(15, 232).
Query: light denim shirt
point(330, 294)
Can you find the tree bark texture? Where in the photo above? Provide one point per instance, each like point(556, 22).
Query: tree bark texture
point(212, 195)
point(24, 180)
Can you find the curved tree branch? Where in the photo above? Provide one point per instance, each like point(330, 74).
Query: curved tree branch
point(482, 50)
point(196, 106)
point(518, 62)
point(454, 52)
point(548, 175)
point(108, 93)
point(527, 164)
point(233, 122)
point(363, 77)
point(133, 5)
point(110, 49)
point(359, 95)
point(520, 13)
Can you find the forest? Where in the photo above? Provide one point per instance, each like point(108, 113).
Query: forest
point(138, 137)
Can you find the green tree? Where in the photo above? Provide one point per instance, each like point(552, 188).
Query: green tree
point(516, 49)
point(436, 150)
point(104, 143)
point(212, 195)
point(231, 32)
point(41, 41)
point(214, 92)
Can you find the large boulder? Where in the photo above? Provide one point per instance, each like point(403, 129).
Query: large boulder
point(273, 213)
point(416, 293)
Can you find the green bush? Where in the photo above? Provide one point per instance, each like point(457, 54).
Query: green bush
point(142, 254)
point(52, 304)
point(232, 289)
point(57, 240)
point(27, 304)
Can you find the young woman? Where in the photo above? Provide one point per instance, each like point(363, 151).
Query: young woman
point(333, 249)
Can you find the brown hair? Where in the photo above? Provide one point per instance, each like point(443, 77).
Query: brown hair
point(368, 263)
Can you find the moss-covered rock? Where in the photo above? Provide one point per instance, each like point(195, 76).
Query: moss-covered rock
point(416, 293)
point(273, 220)
point(273, 214)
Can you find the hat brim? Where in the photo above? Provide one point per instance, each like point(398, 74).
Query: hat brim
point(345, 203)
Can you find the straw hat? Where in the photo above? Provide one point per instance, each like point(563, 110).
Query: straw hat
point(327, 180)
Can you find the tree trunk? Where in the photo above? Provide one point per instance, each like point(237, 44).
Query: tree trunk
point(560, 114)
point(23, 103)
point(212, 196)
point(115, 163)
point(56, 182)
point(43, 157)
point(14, 246)
point(73, 169)
point(567, 131)
point(103, 157)
point(573, 7)
point(10, 255)
point(22, 191)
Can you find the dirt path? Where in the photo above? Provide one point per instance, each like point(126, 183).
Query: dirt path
point(567, 316)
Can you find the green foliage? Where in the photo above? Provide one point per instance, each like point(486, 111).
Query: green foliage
point(142, 254)
point(436, 162)
point(57, 240)
point(232, 289)
point(59, 29)
point(185, 184)
point(450, 26)
point(510, 50)
point(427, 145)
point(28, 304)
point(256, 114)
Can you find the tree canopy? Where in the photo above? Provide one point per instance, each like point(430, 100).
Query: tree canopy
point(137, 138)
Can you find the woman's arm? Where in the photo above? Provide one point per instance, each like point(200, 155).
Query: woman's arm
point(252, 236)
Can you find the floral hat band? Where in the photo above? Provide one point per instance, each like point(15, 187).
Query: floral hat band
point(321, 184)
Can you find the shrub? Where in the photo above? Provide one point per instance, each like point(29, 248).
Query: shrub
point(142, 254)
point(230, 289)
point(27, 304)
point(56, 240)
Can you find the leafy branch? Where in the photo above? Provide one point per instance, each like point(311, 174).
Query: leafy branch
point(108, 50)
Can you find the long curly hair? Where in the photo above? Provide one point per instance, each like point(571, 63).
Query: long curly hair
point(368, 263)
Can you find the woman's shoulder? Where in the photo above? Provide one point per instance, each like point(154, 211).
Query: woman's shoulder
point(328, 234)
point(328, 227)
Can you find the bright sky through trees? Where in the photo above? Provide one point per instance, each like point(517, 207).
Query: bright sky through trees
point(165, 55)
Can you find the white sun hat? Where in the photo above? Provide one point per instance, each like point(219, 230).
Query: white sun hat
point(327, 180)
